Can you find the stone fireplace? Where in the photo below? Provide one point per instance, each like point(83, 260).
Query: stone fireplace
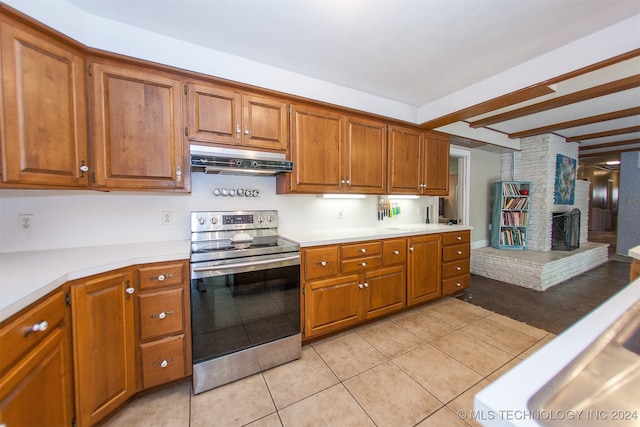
point(539, 267)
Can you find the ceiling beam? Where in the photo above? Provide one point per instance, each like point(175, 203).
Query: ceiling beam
point(607, 153)
point(571, 98)
point(609, 144)
point(578, 122)
point(530, 92)
point(611, 132)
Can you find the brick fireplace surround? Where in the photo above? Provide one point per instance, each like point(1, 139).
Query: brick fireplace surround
point(538, 267)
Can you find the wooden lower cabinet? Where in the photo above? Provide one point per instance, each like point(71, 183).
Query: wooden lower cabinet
point(104, 344)
point(36, 381)
point(456, 252)
point(385, 291)
point(423, 268)
point(331, 304)
point(634, 271)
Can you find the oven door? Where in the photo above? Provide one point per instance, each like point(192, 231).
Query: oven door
point(239, 304)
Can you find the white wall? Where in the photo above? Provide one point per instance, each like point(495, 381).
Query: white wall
point(485, 170)
point(86, 218)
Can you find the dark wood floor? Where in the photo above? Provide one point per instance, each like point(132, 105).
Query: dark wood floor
point(558, 307)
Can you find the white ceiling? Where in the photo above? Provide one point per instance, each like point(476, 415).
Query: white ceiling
point(411, 51)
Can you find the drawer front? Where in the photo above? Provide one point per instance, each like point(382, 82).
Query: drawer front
point(320, 262)
point(394, 252)
point(455, 268)
point(161, 313)
point(456, 238)
point(163, 361)
point(161, 275)
point(455, 284)
point(357, 250)
point(454, 253)
point(30, 328)
point(360, 264)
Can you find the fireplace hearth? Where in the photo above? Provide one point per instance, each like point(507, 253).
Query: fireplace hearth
point(565, 230)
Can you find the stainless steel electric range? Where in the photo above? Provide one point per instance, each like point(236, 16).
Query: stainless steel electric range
point(245, 296)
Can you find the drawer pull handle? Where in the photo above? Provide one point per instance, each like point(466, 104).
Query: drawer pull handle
point(360, 285)
point(459, 238)
point(161, 277)
point(459, 268)
point(363, 250)
point(396, 252)
point(366, 285)
point(162, 314)
point(364, 264)
point(459, 252)
point(323, 263)
point(38, 327)
point(163, 364)
point(458, 284)
point(130, 291)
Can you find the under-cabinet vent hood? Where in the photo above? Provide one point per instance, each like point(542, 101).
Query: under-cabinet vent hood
point(230, 161)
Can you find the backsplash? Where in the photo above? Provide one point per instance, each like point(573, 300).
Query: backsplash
point(71, 218)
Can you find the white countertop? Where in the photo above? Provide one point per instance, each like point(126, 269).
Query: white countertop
point(346, 235)
point(25, 277)
point(635, 253)
point(504, 402)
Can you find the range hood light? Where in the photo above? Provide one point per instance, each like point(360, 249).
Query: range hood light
point(342, 196)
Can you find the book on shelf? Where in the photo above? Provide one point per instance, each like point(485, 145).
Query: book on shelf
point(514, 218)
point(516, 203)
point(513, 237)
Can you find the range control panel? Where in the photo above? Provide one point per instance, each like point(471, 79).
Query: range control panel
point(203, 221)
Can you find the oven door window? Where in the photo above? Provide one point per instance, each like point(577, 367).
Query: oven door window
point(237, 311)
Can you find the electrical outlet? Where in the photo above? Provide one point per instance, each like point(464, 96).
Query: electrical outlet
point(26, 222)
point(167, 217)
point(340, 213)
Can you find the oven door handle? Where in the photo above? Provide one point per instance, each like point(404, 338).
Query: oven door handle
point(246, 264)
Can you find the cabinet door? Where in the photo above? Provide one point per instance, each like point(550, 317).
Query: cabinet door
point(103, 344)
point(405, 160)
point(331, 304)
point(423, 269)
point(214, 114)
point(264, 123)
point(37, 390)
point(385, 291)
point(437, 164)
point(365, 156)
point(137, 128)
point(44, 114)
point(316, 141)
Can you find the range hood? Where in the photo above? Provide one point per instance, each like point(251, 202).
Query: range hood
point(230, 161)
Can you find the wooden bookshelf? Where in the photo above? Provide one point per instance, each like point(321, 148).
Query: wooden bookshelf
point(510, 216)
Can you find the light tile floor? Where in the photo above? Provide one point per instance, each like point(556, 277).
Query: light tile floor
point(421, 367)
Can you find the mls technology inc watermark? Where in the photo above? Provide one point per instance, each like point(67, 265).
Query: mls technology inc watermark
point(551, 415)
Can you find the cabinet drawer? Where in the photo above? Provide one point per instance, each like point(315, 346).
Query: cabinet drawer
point(454, 253)
point(161, 313)
point(17, 336)
point(160, 275)
point(163, 361)
point(360, 264)
point(394, 252)
point(455, 284)
point(456, 238)
point(360, 249)
point(455, 268)
point(320, 262)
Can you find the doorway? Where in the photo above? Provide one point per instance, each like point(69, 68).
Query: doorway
point(455, 207)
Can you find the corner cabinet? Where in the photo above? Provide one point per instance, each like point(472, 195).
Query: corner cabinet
point(222, 115)
point(103, 327)
point(138, 131)
point(510, 216)
point(44, 110)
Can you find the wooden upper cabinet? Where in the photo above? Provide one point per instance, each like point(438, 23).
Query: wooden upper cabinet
point(44, 114)
point(365, 156)
point(316, 140)
point(225, 116)
point(437, 164)
point(405, 160)
point(138, 128)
